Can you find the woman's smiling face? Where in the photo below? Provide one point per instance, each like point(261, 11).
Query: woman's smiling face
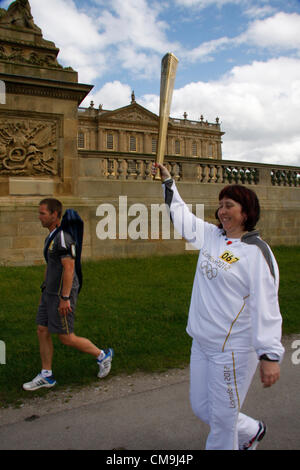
point(232, 217)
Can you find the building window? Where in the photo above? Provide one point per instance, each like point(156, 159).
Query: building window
point(177, 147)
point(194, 149)
point(110, 141)
point(80, 140)
point(132, 144)
point(210, 150)
point(154, 145)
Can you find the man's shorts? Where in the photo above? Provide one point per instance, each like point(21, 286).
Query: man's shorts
point(48, 314)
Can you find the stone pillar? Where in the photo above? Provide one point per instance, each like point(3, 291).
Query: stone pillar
point(100, 139)
point(122, 141)
point(148, 142)
point(204, 149)
point(219, 150)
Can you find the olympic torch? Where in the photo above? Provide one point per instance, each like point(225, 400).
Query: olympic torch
point(168, 73)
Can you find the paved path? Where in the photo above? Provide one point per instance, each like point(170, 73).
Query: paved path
point(146, 412)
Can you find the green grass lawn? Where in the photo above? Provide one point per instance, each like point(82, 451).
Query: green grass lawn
point(137, 306)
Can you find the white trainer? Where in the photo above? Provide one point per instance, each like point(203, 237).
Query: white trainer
point(105, 363)
point(253, 443)
point(38, 382)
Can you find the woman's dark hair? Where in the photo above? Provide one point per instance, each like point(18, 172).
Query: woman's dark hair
point(248, 200)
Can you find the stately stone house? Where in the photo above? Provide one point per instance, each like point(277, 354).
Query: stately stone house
point(134, 129)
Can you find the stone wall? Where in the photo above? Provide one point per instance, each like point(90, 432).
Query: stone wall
point(21, 235)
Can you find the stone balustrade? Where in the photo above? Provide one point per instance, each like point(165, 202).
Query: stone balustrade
point(119, 166)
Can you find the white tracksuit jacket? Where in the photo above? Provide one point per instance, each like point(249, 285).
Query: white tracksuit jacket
point(234, 303)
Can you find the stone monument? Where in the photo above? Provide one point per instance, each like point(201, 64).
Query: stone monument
point(38, 122)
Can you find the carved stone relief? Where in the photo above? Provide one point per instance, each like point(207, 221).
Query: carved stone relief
point(28, 147)
point(132, 116)
point(20, 55)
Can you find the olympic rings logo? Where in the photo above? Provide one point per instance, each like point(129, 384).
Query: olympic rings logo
point(207, 269)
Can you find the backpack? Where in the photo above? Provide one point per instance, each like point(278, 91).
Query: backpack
point(72, 224)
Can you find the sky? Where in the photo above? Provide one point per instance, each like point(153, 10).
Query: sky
point(239, 60)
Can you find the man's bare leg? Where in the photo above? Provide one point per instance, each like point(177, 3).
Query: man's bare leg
point(82, 344)
point(46, 347)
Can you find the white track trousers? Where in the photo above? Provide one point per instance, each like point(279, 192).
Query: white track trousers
point(226, 377)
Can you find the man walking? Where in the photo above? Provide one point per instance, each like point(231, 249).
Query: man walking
point(58, 301)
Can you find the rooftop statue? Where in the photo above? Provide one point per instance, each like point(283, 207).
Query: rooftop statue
point(18, 14)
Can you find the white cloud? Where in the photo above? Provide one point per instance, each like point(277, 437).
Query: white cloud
point(136, 34)
point(273, 153)
point(251, 8)
point(111, 96)
point(63, 23)
point(132, 21)
point(201, 4)
point(280, 31)
point(146, 65)
point(151, 102)
point(203, 53)
point(256, 11)
point(76, 35)
point(139, 24)
point(120, 34)
point(259, 107)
